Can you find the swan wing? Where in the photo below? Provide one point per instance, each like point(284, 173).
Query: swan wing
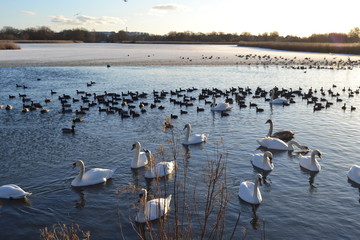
point(196, 139)
point(354, 174)
point(94, 176)
point(12, 191)
point(246, 193)
point(157, 208)
point(273, 143)
point(305, 162)
point(258, 161)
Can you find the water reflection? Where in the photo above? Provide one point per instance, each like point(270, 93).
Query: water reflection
point(255, 219)
point(82, 200)
point(354, 185)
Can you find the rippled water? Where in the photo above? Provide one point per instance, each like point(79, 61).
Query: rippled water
point(37, 156)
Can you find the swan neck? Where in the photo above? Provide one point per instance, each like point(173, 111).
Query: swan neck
point(256, 187)
point(187, 134)
point(270, 129)
point(82, 170)
point(137, 153)
point(313, 157)
point(292, 143)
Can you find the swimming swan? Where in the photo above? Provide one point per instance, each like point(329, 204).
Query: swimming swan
point(11, 191)
point(310, 163)
point(140, 158)
point(220, 106)
point(354, 174)
point(250, 192)
point(285, 135)
point(194, 139)
point(278, 144)
point(153, 209)
point(276, 100)
point(263, 161)
point(91, 177)
point(160, 169)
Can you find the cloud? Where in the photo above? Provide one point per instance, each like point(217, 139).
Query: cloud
point(83, 20)
point(164, 8)
point(28, 13)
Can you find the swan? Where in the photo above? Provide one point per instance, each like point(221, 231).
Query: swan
point(69, 130)
point(11, 191)
point(140, 158)
point(219, 106)
point(354, 174)
point(284, 135)
point(194, 139)
point(275, 100)
point(278, 144)
point(250, 192)
point(263, 161)
point(310, 163)
point(91, 177)
point(153, 209)
point(160, 169)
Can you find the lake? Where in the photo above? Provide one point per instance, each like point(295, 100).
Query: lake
point(37, 156)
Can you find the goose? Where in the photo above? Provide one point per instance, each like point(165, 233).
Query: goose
point(69, 130)
point(278, 144)
point(263, 161)
point(160, 169)
point(310, 163)
point(194, 139)
point(140, 158)
point(250, 192)
point(91, 177)
point(11, 191)
point(220, 106)
point(284, 135)
point(354, 174)
point(153, 209)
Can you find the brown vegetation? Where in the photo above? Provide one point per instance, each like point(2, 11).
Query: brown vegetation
point(346, 48)
point(8, 45)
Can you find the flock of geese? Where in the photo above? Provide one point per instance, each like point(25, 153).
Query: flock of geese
point(125, 104)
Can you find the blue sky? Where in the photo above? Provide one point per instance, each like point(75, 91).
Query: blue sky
point(300, 18)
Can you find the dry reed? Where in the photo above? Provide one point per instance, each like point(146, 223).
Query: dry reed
point(8, 45)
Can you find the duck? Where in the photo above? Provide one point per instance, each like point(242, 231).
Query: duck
point(193, 139)
point(354, 174)
point(140, 158)
point(263, 161)
point(12, 191)
point(278, 144)
point(153, 209)
point(160, 169)
point(219, 106)
point(285, 135)
point(250, 192)
point(91, 177)
point(69, 130)
point(310, 163)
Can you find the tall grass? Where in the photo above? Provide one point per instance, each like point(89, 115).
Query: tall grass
point(8, 45)
point(345, 48)
point(64, 232)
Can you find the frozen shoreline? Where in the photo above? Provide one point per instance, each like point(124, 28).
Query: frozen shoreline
point(44, 55)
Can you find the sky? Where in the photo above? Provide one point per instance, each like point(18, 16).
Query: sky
point(287, 17)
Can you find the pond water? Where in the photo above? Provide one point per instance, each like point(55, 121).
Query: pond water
point(37, 156)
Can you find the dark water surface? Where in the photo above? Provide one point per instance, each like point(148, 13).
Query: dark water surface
point(37, 156)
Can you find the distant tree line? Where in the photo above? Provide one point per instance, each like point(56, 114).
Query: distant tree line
point(80, 34)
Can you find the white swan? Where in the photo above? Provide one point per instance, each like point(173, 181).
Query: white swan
point(278, 144)
point(193, 139)
point(91, 177)
point(354, 174)
point(309, 162)
point(263, 161)
point(274, 99)
point(220, 106)
point(153, 209)
point(284, 135)
point(11, 191)
point(140, 158)
point(250, 192)
point(160, 169)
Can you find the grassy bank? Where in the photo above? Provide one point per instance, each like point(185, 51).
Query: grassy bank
point(47, 41)
point(346, 48)
point(8, 45)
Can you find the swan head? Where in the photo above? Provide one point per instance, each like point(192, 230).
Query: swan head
point(186, 126)
point(259, 178)
point(269, 155)
point(269, 121)
point(77, 163)
point(135, 145)
point(317, 153)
